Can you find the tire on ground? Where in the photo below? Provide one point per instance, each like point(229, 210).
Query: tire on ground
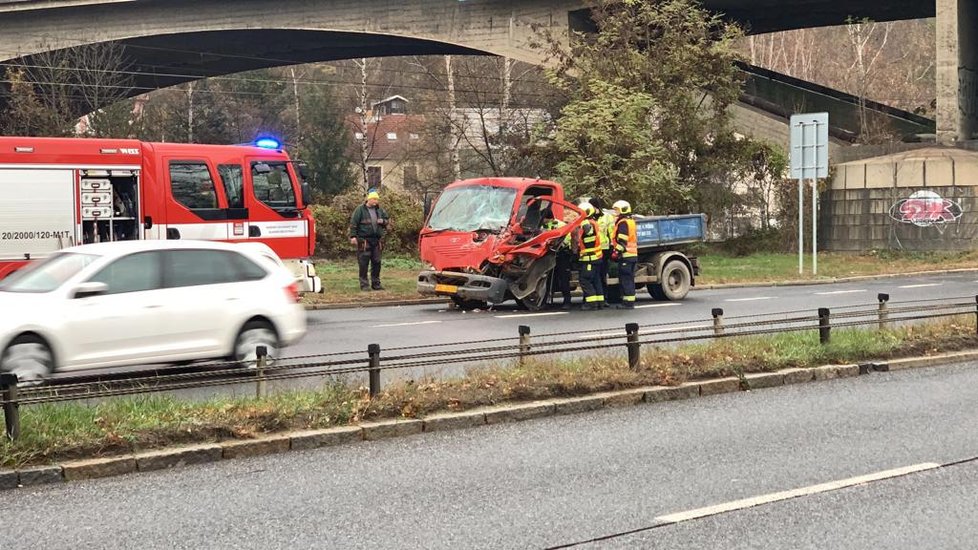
point(675, 281)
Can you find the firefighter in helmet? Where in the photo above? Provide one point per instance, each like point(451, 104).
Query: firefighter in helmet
point(625, 252)
point(560, 276)
point(606, 224)
point(588, 248)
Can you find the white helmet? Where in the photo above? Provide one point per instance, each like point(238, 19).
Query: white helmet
point(622, 206)
point(588, 209)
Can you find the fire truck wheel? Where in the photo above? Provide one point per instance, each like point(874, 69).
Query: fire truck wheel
point(29, 357)
point(255, 333)
point(675, 280)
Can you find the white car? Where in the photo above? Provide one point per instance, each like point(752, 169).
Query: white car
point(140, 302)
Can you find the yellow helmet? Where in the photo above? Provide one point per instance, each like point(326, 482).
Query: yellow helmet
point(588, 209)
point(622, 207)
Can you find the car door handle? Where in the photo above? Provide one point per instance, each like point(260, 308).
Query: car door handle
point(154, 306)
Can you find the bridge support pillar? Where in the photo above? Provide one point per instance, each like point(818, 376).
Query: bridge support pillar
point(957, 70)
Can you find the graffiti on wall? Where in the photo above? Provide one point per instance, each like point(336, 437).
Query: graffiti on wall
point(926, 209)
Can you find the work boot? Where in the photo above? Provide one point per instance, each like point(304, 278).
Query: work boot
point(364, 288)
point(566, 305)
point(625, 305)
point(377, 286)
point(589, 307)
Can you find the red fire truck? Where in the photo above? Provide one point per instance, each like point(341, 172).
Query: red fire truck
point(59, 192)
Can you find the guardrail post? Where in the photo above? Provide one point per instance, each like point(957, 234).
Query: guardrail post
point(717, 321)
point(261, 361)
point(373, 351)
point(976, 313)
point(884, 315)
point(524, 342)
point(631, 339)
point(824, 328)
point(11, 409)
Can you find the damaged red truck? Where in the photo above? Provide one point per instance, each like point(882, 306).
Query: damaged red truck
point(484, 244)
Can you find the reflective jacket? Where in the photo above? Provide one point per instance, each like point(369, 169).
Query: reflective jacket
point(589, 242)
point(626, 237)
point(557, 224)
point(606, 222)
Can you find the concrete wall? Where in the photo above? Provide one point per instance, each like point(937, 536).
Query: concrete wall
point(957, 70)
point(858, 211)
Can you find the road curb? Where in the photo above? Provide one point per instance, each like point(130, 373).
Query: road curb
point(718, 286)
point(483, 416)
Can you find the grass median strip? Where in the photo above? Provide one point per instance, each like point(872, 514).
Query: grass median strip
point(58, 432)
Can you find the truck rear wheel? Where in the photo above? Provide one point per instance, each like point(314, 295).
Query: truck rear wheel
point(675, 282)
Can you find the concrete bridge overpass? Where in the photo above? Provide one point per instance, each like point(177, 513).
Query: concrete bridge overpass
point(181, 40)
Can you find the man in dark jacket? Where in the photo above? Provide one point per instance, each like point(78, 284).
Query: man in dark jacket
point(367, 226)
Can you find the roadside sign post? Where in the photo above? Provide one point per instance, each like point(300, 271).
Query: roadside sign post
point(809, 160)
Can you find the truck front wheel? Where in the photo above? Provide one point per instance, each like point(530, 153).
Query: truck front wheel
point(467, 305)
point(674, 282)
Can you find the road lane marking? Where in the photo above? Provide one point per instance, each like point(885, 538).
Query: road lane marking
point(406, 324)
point(531, 314)
point(657, 305)
point(839, 292)
point(793, 493)
point(750, 299)
point(920, 286)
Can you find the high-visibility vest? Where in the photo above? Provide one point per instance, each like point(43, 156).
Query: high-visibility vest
point(606, 222)
point(626, 237)
point(557, 224)
point(589, 242)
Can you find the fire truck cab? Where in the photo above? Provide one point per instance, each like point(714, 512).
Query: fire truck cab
point(59, 192)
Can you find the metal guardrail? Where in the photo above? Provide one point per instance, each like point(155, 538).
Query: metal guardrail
point(520, 347)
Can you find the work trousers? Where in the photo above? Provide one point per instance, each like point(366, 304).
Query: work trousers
point(603, 264)
point(589, 275)
point(368, 255)
point(626, 279)
point(561, 275)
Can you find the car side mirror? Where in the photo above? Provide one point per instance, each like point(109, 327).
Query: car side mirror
point(306, 193)
point(85, 290)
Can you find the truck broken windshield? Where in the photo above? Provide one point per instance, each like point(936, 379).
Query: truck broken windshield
point(473, 208)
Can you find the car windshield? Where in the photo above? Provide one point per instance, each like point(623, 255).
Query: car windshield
point(473, 208)
point(47, 275)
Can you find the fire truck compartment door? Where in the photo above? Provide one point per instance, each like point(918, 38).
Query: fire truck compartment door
point(37, 212)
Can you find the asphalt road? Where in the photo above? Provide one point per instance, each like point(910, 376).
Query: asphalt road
point(613, 477)
point(399, 329)
point(354, 329)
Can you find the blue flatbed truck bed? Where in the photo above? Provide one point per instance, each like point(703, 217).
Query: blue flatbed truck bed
point(668, 231)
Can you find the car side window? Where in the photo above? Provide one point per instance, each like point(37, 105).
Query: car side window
point(198, 267)
point(133, 273)
point(247, 269)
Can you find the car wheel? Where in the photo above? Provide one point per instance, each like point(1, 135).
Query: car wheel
point(254, 334)
point(30, 358)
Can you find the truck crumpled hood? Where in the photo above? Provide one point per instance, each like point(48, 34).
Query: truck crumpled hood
point(457, 250)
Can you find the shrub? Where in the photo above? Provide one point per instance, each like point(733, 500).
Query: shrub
point(333, 224)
